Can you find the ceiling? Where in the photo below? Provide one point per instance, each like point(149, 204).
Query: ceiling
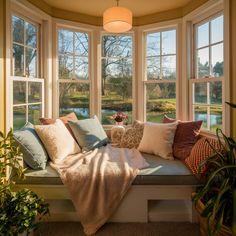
point(97, 7)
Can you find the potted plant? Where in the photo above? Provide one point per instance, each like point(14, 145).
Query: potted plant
point(215, 200)
point(19, 211)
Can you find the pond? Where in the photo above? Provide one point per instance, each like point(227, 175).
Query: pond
point(84, 112)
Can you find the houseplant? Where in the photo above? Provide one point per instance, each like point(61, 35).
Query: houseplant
point(18, 210)
point(216, 198)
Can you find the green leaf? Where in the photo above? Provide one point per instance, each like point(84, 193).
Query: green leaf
point(231, 104)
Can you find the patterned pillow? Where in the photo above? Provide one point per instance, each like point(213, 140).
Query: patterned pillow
point(57, 140)
point(117, 132)
point(200, 151)
point(132, 136)
point(186, 136)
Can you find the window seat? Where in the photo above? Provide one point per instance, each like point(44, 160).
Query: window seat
point(160, 172)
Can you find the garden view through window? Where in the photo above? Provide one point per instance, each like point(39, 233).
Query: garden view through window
point(27, 88)
point(116, 84)
point(73, 73)
point(209, 73)
point(160, 81)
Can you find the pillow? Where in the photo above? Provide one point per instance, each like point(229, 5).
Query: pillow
point(57, 140)
point(158, 139)
point(89, 133)
point(201, 150)
point(34, 154)
point(132, 136)
point(64, 119)
point(186, 136)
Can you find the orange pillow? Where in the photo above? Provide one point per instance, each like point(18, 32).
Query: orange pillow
point(186, 136)
point(64, 119)
point(201, 151)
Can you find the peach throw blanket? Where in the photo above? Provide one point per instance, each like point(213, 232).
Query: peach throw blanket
point(98, 180)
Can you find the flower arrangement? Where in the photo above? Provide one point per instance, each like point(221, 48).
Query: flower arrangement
point(119, 117)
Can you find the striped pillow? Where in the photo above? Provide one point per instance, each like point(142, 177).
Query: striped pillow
point(200, 151)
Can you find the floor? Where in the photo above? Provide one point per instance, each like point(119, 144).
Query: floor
point(121, 229)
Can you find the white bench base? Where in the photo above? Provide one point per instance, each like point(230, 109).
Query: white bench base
point(142, 203)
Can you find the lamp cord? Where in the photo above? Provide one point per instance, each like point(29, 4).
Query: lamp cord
point(117, 3)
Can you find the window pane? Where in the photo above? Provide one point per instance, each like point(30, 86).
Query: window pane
point(18, 29)
point(203, 62)
point(18, 60)
point(65, 41)
point(116, 76)
point(116, 46)
point(217, 57)
point(200, 113)
point(160, 100)
point(19, 117)
point(217, 29)
point(31, 35)
point(65, 67)
point(74, 97)
point(200, 93)
point(34, 92)
point(116, 88)
point(30, 67)
point(203, 35)
point(216, 118)
point(81, 43)
point(169, 67)
point(34, 113)
point(216, 92)
point(153, 68)
point(169, 42)
point(81, 68)
point(153, 44)
point(19, 92)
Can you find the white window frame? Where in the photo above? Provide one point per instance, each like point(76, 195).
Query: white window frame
point(103, 33)
point(145, 81)
point(208, 10)
point(25, 78)
point(81, 28)
point(32, 14)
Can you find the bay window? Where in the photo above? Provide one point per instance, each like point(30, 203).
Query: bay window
point(207, 82)
point(73, 73)
point(27, 86)
point(117, 76)
point(160, 74)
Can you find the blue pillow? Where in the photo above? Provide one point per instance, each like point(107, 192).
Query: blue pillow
point(34, 154)
point(89, 133)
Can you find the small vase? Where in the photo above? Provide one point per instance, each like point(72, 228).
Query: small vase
point(119, 123)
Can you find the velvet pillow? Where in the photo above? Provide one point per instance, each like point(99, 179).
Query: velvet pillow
point(158, 139)
point(34, 154)
point(57, 140)
point(200, 151)
point(64, 119)
point(186, 136)
point(89, 133)
point(133, 136)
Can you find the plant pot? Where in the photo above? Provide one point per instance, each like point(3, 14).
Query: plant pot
point(225, 231)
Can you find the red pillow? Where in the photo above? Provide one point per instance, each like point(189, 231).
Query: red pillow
point(64, 119)
point(200, 152)
point(186, 136)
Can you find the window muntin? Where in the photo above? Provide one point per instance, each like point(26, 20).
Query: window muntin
point(27, 102)
point(73, 73)
point(160, 75)
point(116, 77)
point(209, 73)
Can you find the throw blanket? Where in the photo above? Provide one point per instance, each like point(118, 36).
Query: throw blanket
point(98, 180)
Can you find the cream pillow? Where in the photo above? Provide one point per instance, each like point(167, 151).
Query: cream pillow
point(57, 140)
point(158, 139)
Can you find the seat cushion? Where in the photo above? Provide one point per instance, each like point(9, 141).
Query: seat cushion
point(160, 172)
